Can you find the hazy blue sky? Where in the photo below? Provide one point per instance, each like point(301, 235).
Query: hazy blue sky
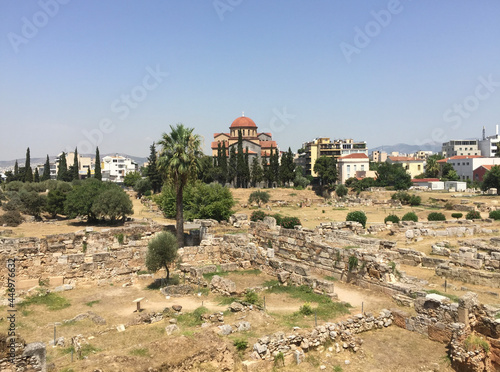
point(118, 73)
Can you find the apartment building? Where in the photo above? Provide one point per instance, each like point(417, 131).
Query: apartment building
point(460, 148)
point(115, 168)
point(413, 165)
point(466, 165)
point(323, 146)
point(354, 165)
point(489, 145)
point(378, 156)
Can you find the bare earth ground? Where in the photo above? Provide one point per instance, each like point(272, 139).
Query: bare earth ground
point(141, 346)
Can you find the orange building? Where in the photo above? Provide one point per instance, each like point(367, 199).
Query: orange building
point(258, 144)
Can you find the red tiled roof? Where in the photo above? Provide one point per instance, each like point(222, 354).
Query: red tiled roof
point(354, 156)
point(486, 166)
point(215, 144)
point(243, 122)
point(268, 144)
point(418, 180)
point(267, 133)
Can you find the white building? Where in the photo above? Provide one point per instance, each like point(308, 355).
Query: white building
point(488, 145)
point(460, 148)
point(114, 168)
point(430, 183)
point(353, 165)
point(455, 185)
point(465, 165)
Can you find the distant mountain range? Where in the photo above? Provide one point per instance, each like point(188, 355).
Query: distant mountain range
point(404, 148)
point(5, 164)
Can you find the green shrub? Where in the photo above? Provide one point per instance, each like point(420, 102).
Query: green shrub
point(436, 216)
point(415, 200)
point(357, 216)
point(341, 191)
point(257, 215)
point(473, 215)
point(279, 360)
point(11, 218)
point(473, 343)
point(457, 215)
point(120, 237)
point(306, 309)
point(495, 215)
point(252, 297)
point(410, 216)
point(278, 217)
point(289, 222)
point(448, 206)
point(392, 217)
point(259, 197)
point(406, 198)
point(353, 263)
point(240, 344)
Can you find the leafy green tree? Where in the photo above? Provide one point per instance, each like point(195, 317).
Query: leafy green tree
point(142, 186)
point(46, 170)
point(432, 166)
point(259, 197)
point(393, 175)
point(492, 179)
point(28, 172)
point(341, 191)
point(80, 199)
point(410, 216)
point(207, 171)
point(299, 180)
point(256, 173)
point(232, 166)
point(179, 159)
point(55, 202)
point(36, 177)
point(357, 216)
point(201, 201)
point(326, 168)
point(436, 216)
point(152, 172)
point(131, 178)
point(162, 251)
point(97, 169)
point(112, 203)
point(33, 202)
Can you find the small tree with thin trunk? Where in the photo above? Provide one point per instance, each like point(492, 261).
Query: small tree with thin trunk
point(162, 251)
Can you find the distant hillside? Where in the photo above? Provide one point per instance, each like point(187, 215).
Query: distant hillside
point(404, 148)
point(5, 164)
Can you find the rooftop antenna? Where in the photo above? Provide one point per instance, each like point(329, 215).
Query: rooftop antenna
point(484, 133)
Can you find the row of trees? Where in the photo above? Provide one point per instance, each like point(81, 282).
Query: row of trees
point(64, 173)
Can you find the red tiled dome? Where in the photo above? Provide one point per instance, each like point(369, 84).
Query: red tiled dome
point(243, 122)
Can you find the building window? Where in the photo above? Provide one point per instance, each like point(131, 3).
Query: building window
point(362, 167)
point(418, 167)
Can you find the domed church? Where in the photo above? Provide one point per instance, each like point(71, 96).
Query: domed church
point(258, 144)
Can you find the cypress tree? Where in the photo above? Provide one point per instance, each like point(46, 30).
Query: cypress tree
point(246, 174)
point(74, 169)
point(62, 171)
point(152, 171)
point(97, 171)
point(89, 174)
point(28, 172)
point(223, 164)
point(266, 173)
point(16, 171)
point(232, 166)
point(37, 176)
point(240, 162)
point(46, 170)
point(256, 175)
point(274, 166)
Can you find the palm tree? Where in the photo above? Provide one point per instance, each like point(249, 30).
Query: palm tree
point(179, 160)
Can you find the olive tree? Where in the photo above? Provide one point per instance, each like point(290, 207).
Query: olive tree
point(162, 251)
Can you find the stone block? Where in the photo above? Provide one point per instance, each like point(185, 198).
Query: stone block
point(439, 332)
point(26, 284)
point(55, 281)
